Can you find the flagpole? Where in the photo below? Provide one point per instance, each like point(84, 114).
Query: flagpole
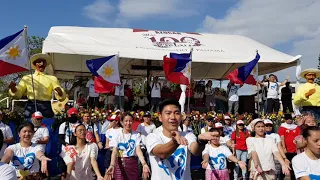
point(120, 88)
point(190, 84)
point(258, 104)
point(30, 69)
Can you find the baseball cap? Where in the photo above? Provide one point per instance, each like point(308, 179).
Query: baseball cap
point(267, 121)
point(218, 125)
point(240, 122)
point(37, 115)
point(147, 114)
point(72, 111)
point(227, 118)
point(117, 111)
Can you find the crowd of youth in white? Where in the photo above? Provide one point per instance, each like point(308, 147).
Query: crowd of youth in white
point(165, 152)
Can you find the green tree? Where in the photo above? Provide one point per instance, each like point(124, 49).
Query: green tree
point(35, 44)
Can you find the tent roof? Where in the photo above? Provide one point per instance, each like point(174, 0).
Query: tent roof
point(214, 55)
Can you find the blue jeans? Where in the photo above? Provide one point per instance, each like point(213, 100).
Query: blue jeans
point(242, 156)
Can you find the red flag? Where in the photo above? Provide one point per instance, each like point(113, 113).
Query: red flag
point(102, 86)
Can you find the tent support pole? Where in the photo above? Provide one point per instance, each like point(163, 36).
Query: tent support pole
point(148, 87)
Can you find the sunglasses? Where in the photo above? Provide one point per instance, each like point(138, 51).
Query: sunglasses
point(240, 124)
point(268, 125)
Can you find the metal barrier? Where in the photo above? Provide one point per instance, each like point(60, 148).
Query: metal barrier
point(6, 99)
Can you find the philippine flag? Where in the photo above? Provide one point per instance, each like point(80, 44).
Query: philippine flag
point(243, 74)
point(106, 72)
point(14, 54)
point(177, 68)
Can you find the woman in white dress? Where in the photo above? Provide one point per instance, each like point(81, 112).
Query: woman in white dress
point(261, 152)
point(81, 157)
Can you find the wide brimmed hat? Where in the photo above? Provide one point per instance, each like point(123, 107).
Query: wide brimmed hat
point(35, 57)
point(311, 70)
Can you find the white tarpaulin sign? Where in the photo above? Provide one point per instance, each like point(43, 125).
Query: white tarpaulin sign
point(214, 55)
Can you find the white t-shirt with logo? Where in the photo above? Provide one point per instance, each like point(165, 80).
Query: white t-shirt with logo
point(177, 166)
point(39, 134)
point(217, 157)
point(112, 133)
point(67, 131)
point(7, 172)
point(304, 166)
point(7, 133)
point(82, 167)
point(186, 129)
point(119, 90)
point(91, 128)
point(145, 130)
point(156, 90)
point(233, 93)
point(273, 90)
point(127, 143)
point(25, 158)
point(275, 137)
point(203, 130)
point(227, 130)
point(90, 85)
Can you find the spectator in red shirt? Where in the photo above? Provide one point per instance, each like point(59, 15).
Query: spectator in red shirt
point(81, 101)
point(239, 145)
point(288, 132)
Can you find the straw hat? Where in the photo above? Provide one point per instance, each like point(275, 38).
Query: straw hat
point(35, 57)
point(311, 70)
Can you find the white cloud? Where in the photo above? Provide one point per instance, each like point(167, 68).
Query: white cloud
point(288, 23)
point(138, 9)
point(99, 11)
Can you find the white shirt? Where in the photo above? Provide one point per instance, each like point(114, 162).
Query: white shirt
point(68, 132)
point(104, 126)
point(7, 172)
point(111, 133)
point(156, 90)
point(145, 130)
point(127, 143)
point(186, 129)
point(177, 166)
point(203, 130)
point(90, 85)
point(275, 137)
point(25, 158)
point(119, 90)
point(39, 134)
point(90, 128)
point(272, 90)
point(223, 140)
point(7, 133)
point(217, 157)
point(142, 101)
point(264, 147)
point(82, 166)
point(233, 93)
point(304, 166)
point(227, 130)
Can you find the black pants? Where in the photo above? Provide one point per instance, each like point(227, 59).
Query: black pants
point(107, 158)
point(93, 102)
point(43, 106)
point(290, 157)
point(273, 105)
point(287, 105)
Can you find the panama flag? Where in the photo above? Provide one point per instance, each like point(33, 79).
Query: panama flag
point(177, 68)
point(244, 73)
point(106, 72)
point(14, 54)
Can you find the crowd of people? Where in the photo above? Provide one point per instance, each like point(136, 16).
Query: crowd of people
point(162, 145)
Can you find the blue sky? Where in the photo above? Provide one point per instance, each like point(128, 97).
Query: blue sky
point(290, 26)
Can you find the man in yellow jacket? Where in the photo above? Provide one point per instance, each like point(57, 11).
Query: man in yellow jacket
point(308, 94)
point(43, 84)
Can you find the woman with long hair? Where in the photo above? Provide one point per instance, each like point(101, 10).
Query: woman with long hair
point(124, 163)
point(262, 151)
point(81, 156)
point(209, 92)
point(25, 156)
point(306, 164)
point(303, 122)
point(239, 146)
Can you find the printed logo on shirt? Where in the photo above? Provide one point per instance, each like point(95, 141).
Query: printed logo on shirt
point(219, 160)
point(127, 147)
point(176, 161)
point(24, 163)
point(273, 87)
point(313, 176)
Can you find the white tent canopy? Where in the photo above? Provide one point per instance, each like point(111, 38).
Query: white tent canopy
point(214, 55)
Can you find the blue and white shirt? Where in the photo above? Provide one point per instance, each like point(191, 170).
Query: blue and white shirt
point(126, 143)
point(304, 166)
point(177, 166)
point(217, 157)
point(24, 159)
